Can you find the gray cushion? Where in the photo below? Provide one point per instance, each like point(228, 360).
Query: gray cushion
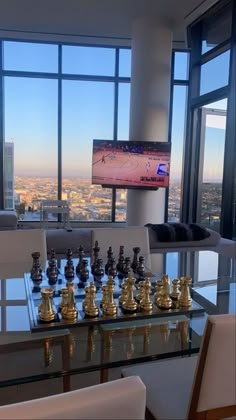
point(61, 240)
point(8, 219)
point(212, 240)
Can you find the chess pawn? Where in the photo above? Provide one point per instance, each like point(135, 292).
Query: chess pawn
point(175, 294)
point(52, 260)
point(141, 268)
point(121, 262)
point(96, 250)
point(45, 309)
point(185, 297)
point(158, 293)
point(84, 271)
point(64, 298)
point(87, 298)
point(127, 266)
point(98, 272)
point(124, 294)
point(52, 272)
point(140, 295)
point(112, 267)
point(69, 270)
point(110, 307)
point(146, 304)
point(104, 300)
point(165, 301)
point(130, 305)
point(70, 311)
point(81, 259)
point(134, 264)
point(109, 257)
point(91, 309)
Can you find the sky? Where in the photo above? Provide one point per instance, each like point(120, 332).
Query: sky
point(87, 109)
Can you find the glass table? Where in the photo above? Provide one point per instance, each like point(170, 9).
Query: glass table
point(66, 352)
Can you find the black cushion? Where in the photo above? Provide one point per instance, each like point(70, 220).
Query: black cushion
point(178, 232)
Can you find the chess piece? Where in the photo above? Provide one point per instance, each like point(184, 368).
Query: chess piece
point(70, 311)
point(87, 298)
point(112, 267)
point(134, 264)
point(83, 272)
point(158, 293)
point(91, 310)
point(98, 271)
point(110, 307)
point(45, 309)
point(64, 298)
point(52, 271)
point(175, 294)
point(141, 268)
point(104, 300)
point(140, 295)
point(185, 297)
point(81, 259)
point(165, 302)
point(36, 271)
point(69, 267)
point(127, 266)
point(109, 258)
point(121, 262)
point(124, 293)
point(96, 250)
point(146, 304)
point(130, 305)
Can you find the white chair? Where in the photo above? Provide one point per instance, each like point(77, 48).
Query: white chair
point(197, 387)
point(130, 237)
point(119, 399)
point(54, 207)
point(16, 247)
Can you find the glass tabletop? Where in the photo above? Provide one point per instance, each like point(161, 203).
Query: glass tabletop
point(70, 351)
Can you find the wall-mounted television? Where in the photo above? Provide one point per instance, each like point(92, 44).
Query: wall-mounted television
point(131, 164)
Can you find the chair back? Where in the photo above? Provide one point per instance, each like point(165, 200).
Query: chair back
point(120, 399)
point(214, 389)
point(16, 246)
point(129, 237)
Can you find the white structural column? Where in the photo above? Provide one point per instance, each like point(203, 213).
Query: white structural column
point(149, 107)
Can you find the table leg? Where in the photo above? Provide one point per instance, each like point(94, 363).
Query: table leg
point(104, 375)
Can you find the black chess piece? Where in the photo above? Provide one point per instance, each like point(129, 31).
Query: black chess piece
point(52, 272)
point(84, 271)
point(109, 257)
point(96, 251)
point(112, 267)
point(81, 259)
point(36, 271)
point(98, 272)
point(141, 268)
point(69, 267)
point(121, 262)
point(134, 264)
point(127, 266)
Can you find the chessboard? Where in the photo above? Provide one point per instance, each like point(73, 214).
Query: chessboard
point(79, 283)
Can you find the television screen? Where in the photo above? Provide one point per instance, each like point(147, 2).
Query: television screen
point(131, 164)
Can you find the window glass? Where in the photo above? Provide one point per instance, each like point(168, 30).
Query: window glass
point(87, 114)
point(88, 60)
point(123, 111)
point(30, 143)
point(216, 29)
point(26, 56)
point(215, 73)
point(181, 65)
point(124, 62)
point(177, 141)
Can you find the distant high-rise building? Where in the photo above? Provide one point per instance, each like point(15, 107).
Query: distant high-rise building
point(9, 175)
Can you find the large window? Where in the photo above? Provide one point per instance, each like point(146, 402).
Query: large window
point(56, 99)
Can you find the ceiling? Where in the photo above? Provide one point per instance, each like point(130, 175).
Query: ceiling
point(96, 18)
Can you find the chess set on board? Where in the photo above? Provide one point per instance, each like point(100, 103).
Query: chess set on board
point(75, 292)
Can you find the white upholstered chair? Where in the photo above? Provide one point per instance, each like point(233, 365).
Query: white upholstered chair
point(120, 399)
point(197, 387)
point(130, 237)
point(16, 247)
